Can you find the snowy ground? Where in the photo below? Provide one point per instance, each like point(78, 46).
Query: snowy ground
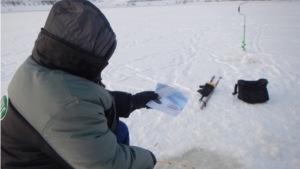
point(184, 46)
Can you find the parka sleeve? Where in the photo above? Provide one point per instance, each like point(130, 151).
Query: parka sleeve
point(123, 103)
point(81, 137)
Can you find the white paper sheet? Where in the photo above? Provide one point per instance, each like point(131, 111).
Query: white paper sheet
point(171, 101)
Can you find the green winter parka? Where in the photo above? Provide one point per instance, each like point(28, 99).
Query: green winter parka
point(59, 116)
point(69, 113)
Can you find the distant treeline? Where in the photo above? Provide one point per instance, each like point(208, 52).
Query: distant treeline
point(129, 2)
point(32, 2)
point(27, 2)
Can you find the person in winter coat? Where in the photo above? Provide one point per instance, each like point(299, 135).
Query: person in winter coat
point(59, 115)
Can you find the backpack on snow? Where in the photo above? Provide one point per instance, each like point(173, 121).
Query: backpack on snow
point(252, 91)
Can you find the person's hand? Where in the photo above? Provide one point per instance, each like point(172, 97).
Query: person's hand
point(140, 100)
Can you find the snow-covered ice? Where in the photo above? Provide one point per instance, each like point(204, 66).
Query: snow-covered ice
point(184, 46)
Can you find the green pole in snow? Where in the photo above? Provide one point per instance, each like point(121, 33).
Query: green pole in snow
point(244, 40)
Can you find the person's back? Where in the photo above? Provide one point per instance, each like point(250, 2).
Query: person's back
point(58, 115)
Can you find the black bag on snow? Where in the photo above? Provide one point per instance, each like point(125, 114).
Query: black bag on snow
point(206, 89)
point(252, 91)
